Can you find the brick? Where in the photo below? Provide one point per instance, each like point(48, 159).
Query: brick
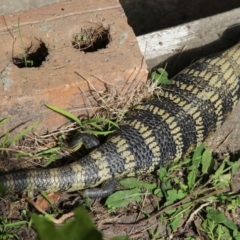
point(67, 72)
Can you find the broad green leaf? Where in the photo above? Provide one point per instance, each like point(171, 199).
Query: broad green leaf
point(219, 217)
point(160, 76)
point(206, 161)
point(134, 182)
point(175, 223)
point(178, 165)
point(183, 187)
point(176, 180)
point(224, 180)
point(198, 153)
point(170, 211)
point(191, 178)
point(211, 199)
point(173, 195)
point(186, 161)
point(162, 71)
point(162, 173)
point(44, 226)
point(236, 202)
point(219, 172)
point(123, 198)
point(81, 225)
point(237, 236)
point(158, 192)
point(235, 166)
point(165, 186)
point(223, 232)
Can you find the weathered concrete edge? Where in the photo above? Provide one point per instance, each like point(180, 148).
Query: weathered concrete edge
point(158, 46)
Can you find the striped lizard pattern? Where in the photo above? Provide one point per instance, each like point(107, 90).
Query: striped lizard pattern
point(165, 127)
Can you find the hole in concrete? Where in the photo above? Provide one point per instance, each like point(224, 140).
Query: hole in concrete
point(29, 52)
point(91, 37)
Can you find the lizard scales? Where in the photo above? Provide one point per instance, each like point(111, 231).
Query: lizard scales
point(165, 127)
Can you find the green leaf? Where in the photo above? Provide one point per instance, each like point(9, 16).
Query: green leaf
point(81, 225)
point(206, 161)
point(50, 160)
point(224, 180)
point(183, 187)
point(87, 124)
point(219, 172)
point(160, 76)
point(4, 140)
point(15, 224)
point(46, 197)
point(162, 71)
point(64, 113)
point(175, 223)
point(123, 198)
point(173, 195)
point(234, 203)
point(198, 153)
point(99, 120)
point(47, 151)
point(158, 192)
point(135, 183)
point(44, 226)
point(20, 154)
point(191, 178)
point(162, 173)
point(223, 232)
point(4, 120)
point(94, 132)
point(218, 217)
point(235, 166)
point(165, 186)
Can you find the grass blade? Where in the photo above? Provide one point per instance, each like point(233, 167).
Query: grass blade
point(64, 113)
point(21, 134)
point(4, 120)
point(98, 120)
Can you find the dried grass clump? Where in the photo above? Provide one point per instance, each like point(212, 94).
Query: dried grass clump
point(113, 104)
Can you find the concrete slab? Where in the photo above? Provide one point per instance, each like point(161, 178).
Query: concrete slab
point(67, 72)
